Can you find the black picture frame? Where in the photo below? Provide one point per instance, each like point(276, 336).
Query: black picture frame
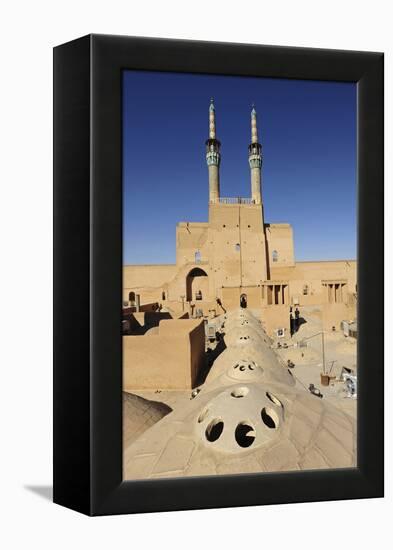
point(88, 274)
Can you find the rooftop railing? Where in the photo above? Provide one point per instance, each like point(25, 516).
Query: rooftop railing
point(232, 200)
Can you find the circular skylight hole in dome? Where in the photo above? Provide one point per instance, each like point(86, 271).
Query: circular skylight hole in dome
point(274, 399)
point(203, 415)
point(270, 418)
point(244, 434)
point(239, 392)
point(214, 430)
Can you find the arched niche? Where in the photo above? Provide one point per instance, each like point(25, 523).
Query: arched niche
point(196, 284)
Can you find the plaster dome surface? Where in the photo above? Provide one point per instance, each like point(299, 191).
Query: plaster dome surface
point(269, 368)
point(242, 336)
point(238, 418)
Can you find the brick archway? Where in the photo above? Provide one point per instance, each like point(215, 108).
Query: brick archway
point(192, 292)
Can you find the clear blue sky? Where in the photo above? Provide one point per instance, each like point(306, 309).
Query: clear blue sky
point(308, 135)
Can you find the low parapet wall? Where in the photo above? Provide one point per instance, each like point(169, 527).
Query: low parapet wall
point(333, 314)
point(141, 322)
point(170, 359)
point(230, 297)
point(274, 318)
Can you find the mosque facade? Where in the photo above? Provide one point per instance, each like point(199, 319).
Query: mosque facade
point(237, 258)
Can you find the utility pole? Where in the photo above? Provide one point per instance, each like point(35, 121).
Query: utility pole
point(323, 347)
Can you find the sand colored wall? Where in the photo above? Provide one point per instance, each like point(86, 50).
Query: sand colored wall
point(191, 237)
point(176, 307)
point(275, 317)
point(226, 268)
point(147, 280)
point(224, 263)
point(178, 286)
point(150, 280)
point(317, 271)
point(313, 274)
point(141, 322)
point(147, 275)
point(170, 359)
point(333, 314)
point(280, 239)
point(230, 297)
point(231, 225)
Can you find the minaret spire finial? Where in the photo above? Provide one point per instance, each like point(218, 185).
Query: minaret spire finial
point(254, 128)
point(212, 120)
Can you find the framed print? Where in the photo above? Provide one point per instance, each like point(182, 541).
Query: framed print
point(218, 298)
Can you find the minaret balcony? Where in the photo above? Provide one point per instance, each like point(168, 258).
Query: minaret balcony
point(232, 200)
point(212, 146)
point(213, 158)
point(255, 161)
point(255, 149)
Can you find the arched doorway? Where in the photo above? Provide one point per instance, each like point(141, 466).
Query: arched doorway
point(243, 300)
point(196, 285)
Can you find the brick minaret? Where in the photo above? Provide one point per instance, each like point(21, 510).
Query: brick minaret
point(255, 160)
point(213, 157)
